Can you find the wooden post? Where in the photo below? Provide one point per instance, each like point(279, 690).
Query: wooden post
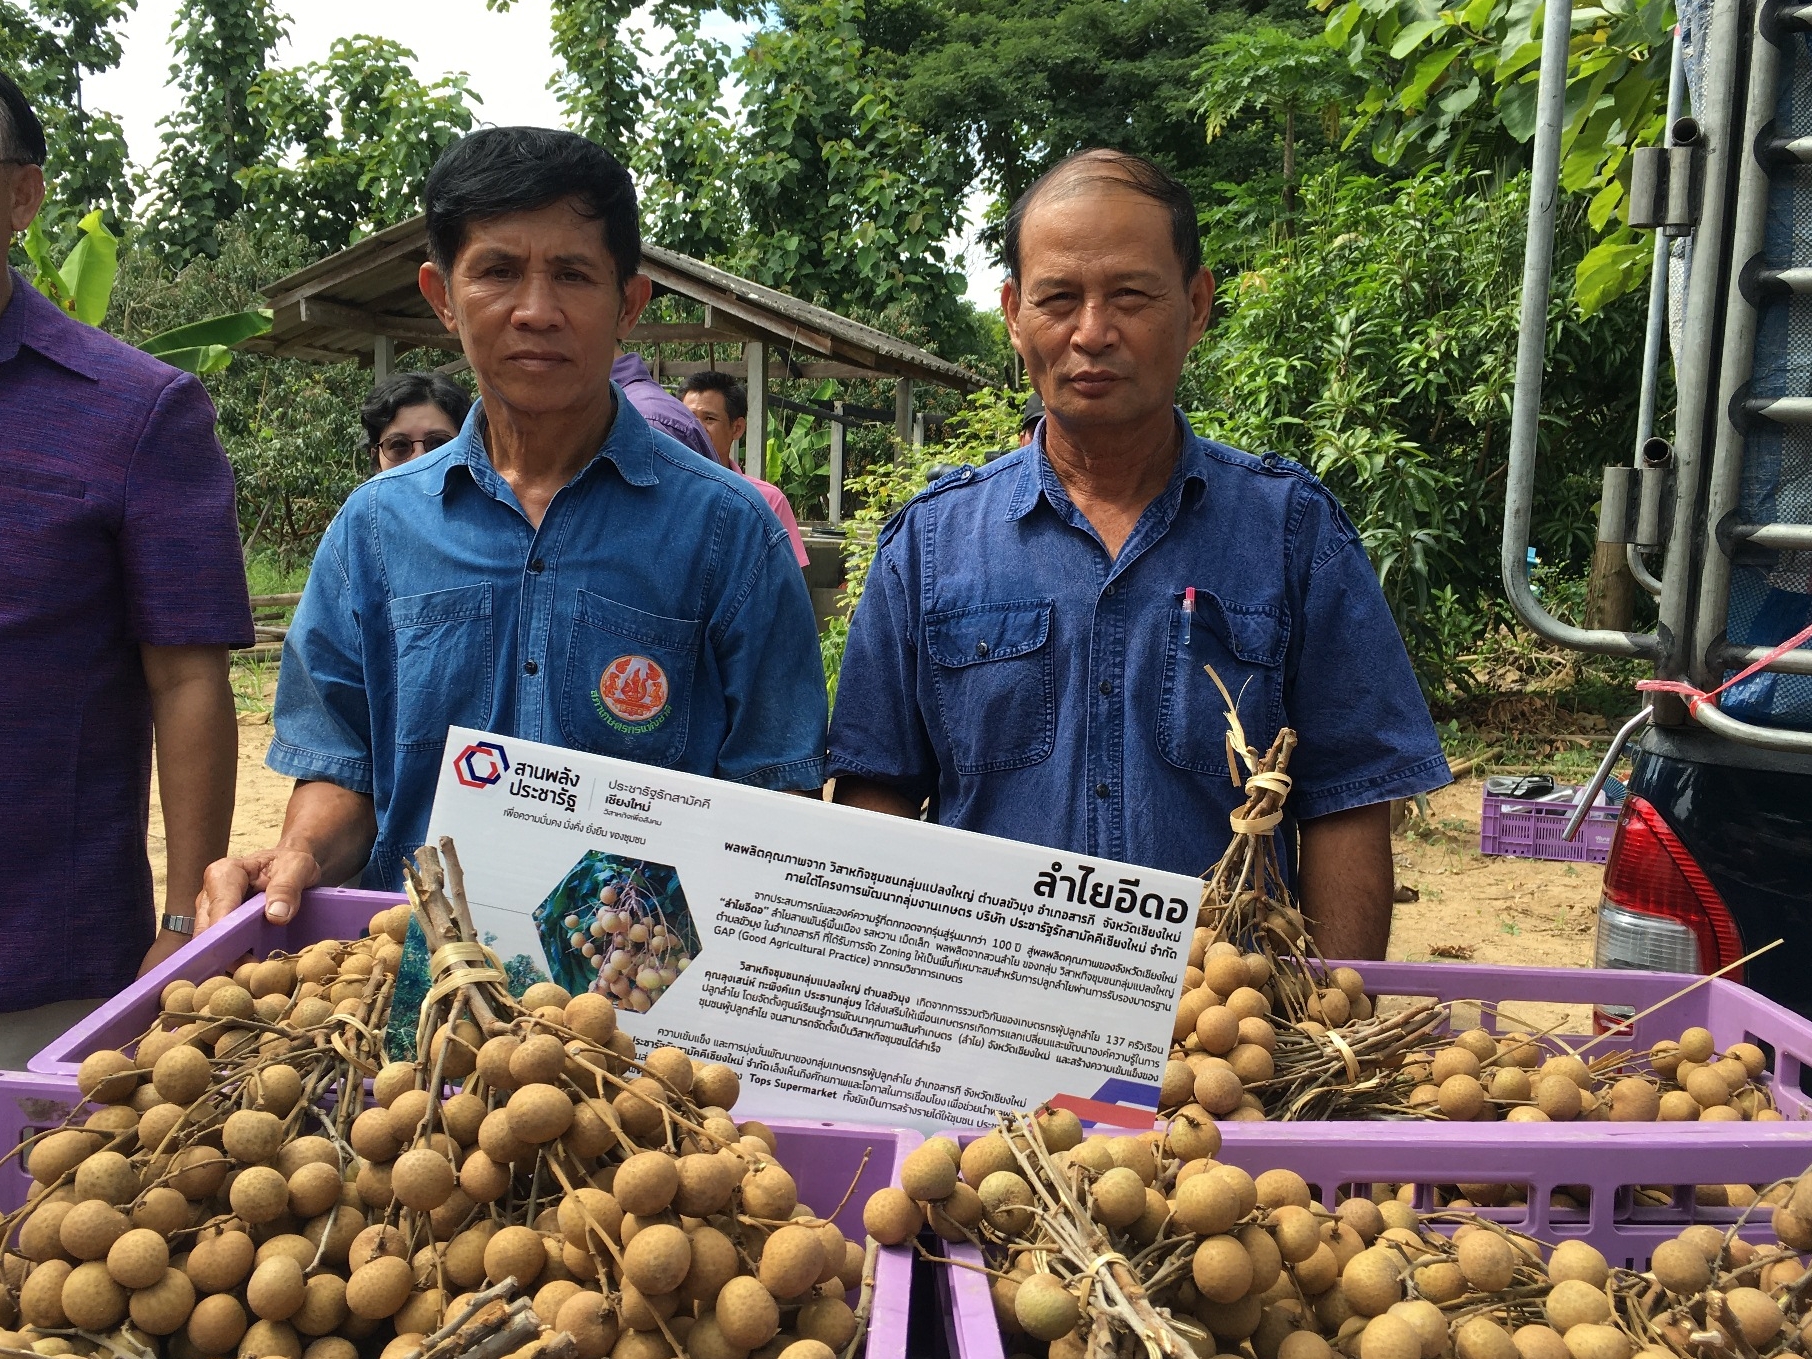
point(902, 411)
point(836, 466)
point(383, 358)
point(918, 432)
point(1610, 589)
point(755, 442)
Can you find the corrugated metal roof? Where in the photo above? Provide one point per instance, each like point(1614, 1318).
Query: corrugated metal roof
point(332, 309)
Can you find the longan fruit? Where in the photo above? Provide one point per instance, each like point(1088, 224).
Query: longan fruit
point(657, 1259)
point(1457, 1060)
point(138, 1258)
point(539, 1113)
point(1118, 1198)
point(891, 1217)
point(89, 1229)
point(55, 1155)
point(423, 1179)
point(379, 1288)
point(1578, 1260)
point(769, 1191)
point(91, 1299)
point(216, 1324)
point(162, 1308)
point(276, 1289)
point(323, 1306)
point(1487, 1261)
point(1539, 1342)
point(646, 1182)
point(1370, 1282)
point(928, 1174)
point(1483, 1338)
point(746, 1313)
point(514, 1252)
point(1697, 1045)
point(1575, 1303)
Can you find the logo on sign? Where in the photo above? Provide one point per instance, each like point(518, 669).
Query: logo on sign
point(481, 765)
point(632, 695)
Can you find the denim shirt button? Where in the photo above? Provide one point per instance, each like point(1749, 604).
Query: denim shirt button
point(1108, 591)
point(1102, 790)
point(536, 567)
point(1107, 686)
point(981, 648)
point(529, 667)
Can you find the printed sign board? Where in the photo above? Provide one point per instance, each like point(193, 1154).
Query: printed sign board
point(846, 963)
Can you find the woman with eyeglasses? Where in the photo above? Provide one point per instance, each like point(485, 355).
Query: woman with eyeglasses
point(408, 414)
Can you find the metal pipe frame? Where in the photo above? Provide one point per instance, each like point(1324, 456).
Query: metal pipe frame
point(1657, 315)
point(1741, 319)
point(1711, 653)
point(1531, 358)
point(1707, 283)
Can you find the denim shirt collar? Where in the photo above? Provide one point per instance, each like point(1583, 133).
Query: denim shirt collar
point(1038, 479)
point(629, 447)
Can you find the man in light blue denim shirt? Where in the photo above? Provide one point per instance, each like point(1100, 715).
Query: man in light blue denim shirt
point(559, 572)
point(1030, 654)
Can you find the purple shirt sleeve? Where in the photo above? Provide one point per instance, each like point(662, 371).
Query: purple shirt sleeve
point(179, 534)
point(688, 431)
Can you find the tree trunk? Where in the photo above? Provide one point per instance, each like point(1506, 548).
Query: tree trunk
point(1289, 165)
point(1610, 589)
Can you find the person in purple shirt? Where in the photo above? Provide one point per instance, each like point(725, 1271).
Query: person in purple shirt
point(121, 589)
point(659, 407)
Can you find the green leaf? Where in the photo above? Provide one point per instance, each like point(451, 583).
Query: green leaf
point(89, 270)
point(1516, 106)
point(1411, 37)
point(1604, 204)
point(1428, 70)
point(45, 277)
point(1609, 270)
point(198, 359)
point(215, 332)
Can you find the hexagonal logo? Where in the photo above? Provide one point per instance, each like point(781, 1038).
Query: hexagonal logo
point(481, 765)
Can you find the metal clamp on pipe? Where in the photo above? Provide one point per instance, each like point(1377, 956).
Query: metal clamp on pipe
point(1657, 462)
point(1615, 504)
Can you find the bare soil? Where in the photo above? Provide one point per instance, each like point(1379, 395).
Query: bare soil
point(1479, 909)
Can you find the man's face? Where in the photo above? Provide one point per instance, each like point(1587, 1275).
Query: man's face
point(536, 302)
point(712, 414)
point(1101, 312)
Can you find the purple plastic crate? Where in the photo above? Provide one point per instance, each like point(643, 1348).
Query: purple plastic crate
point(838, 1165)
point(1523, 829)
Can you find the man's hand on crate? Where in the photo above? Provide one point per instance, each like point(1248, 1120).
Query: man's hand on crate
point(327, 837)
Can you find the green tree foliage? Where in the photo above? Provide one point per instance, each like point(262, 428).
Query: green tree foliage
point(1378, 348)
point(1277, 72)
point(290, 427)
point(350, 140)
point(1457, 82)
point(222, 47)
point(49, 47)
point(848, 202)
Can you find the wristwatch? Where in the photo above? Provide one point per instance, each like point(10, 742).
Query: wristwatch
point(179, 924)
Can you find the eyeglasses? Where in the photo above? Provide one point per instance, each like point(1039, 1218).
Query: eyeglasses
point(400, 447)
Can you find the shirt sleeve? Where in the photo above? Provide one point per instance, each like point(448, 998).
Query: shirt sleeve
point(688, 431)
point(322, 716)
point(1363, 729)
point(179, 533)
point(877, 731)
point(783, 511)
point(773, 676)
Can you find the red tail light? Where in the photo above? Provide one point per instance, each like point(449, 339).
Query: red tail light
point(1651, 873)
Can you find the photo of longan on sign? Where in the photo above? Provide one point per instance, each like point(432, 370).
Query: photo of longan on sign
point(619, 927)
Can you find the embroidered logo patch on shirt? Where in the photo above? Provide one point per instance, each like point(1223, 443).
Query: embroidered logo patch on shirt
point(632, 695)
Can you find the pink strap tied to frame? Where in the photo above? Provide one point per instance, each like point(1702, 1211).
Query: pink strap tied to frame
point(1696, 698)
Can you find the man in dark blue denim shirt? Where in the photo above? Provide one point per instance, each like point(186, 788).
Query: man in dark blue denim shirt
point(1030, 653)
point(560, 571)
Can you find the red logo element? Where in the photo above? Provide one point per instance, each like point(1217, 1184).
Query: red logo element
point(481, 765)
point(634, 688)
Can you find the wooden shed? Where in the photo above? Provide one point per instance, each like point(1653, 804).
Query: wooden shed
point(363, 305)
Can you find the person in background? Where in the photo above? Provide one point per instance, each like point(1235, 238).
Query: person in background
point(408, 414)
point(658, 406)
point(561, 571)
point(1028, 423)
point(721, 405)
point(1037, 648)
point(122, 588)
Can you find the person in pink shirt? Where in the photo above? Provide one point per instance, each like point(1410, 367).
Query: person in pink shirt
point(722, 407)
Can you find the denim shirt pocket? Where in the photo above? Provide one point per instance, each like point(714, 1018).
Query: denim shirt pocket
point(446, 663)
point(627, 690)
point(1245, 643)
point(992, 665)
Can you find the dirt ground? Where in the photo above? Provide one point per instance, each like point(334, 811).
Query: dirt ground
point(258, 811)
point(1486, 910)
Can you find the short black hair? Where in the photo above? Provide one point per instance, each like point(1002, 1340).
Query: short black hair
point(21, 134)
point(499, 170)
point(735, 395)
point(411, 389)
point(1100, 165)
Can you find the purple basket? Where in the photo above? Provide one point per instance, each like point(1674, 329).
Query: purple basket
point(1606, 1156)
point(1522, 829)
point(827, 1158)
point(1608, 1159)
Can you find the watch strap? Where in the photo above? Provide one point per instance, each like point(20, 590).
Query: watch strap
point(179, 924)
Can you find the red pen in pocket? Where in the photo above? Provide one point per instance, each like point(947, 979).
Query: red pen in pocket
point(1188, 611)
